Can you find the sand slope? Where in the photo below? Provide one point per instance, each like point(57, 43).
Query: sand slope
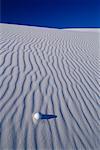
point(51, 71)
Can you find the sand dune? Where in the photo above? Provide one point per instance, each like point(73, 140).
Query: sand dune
point(51, 71)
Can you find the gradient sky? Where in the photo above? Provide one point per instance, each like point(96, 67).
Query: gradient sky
point(52, 13)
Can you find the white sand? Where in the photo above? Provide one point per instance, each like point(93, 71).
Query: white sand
point(51, 71)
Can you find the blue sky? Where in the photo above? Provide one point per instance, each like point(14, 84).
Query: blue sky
point(52, 13)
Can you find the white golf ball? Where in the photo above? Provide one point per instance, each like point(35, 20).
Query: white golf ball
point(37, 116)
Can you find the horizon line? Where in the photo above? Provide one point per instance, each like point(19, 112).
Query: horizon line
point(50, 27)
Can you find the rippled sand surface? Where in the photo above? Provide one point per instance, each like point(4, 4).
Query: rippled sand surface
point(52, 71)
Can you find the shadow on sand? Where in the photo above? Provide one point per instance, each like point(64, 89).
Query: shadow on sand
point(39, 116)
point(48, 116)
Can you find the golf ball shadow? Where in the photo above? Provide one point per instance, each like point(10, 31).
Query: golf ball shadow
point(39, 116)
